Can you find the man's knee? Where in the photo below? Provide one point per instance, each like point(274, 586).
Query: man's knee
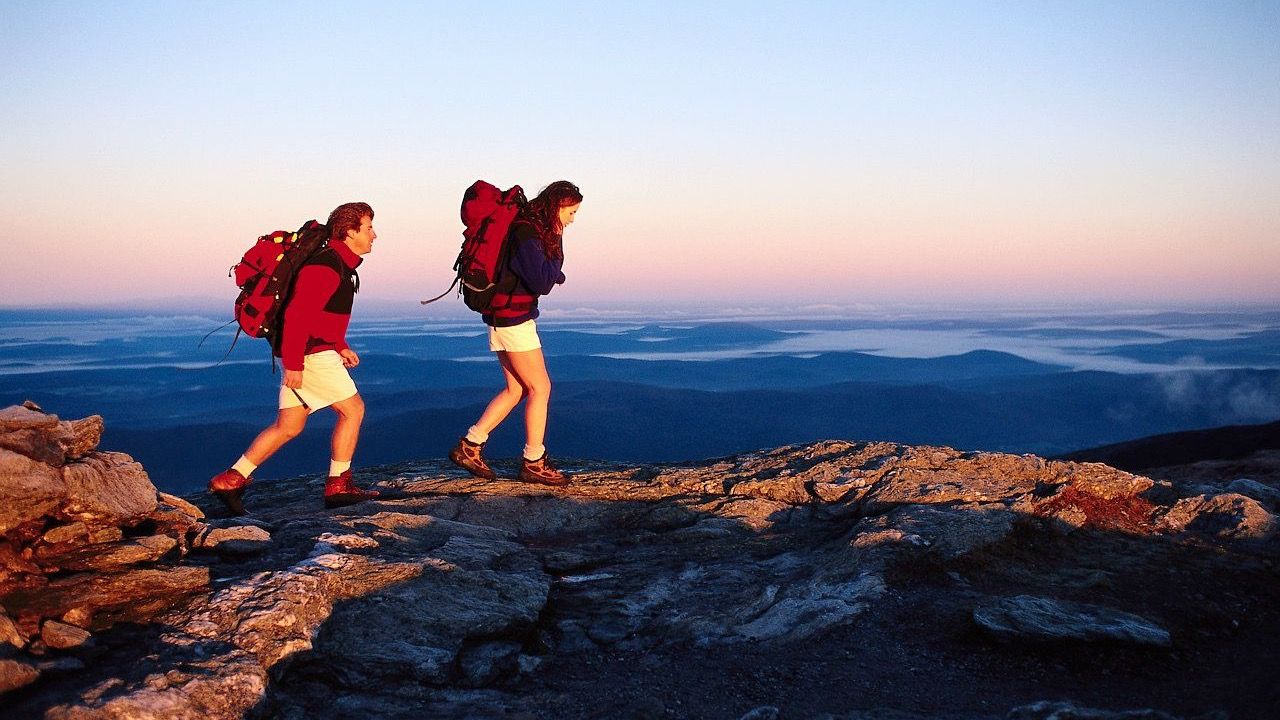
point(290, 424)
point(351, 409)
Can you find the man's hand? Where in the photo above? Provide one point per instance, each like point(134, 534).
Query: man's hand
point(349, 358)
point(293, 379)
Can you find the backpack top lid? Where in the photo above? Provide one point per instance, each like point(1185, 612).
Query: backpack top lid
point(483, 200)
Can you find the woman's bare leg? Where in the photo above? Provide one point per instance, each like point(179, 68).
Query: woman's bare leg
point(505, 401)
point(530, 371)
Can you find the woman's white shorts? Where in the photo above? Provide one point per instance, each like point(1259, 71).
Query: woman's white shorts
point(325, 381)
point(517, 338)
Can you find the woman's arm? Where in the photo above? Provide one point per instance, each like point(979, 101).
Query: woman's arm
point(538, 272)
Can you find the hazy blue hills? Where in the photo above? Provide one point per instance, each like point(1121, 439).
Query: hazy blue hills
point(1260, 348)
point(161, 394)
point(1074, 334)
point(631, 339)
point(654, 391)
point(644, 423)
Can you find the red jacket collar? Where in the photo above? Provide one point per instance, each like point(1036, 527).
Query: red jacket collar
point(349, 258)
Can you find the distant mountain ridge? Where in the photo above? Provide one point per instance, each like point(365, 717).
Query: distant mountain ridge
point(645, 391)
point(1181, 448)
point(608, 419)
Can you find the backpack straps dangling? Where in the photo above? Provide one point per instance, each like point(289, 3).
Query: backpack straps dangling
point(446, 292)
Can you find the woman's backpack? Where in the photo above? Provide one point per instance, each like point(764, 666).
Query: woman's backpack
point(487, 214)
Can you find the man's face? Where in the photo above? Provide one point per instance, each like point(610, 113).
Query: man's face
point(361, 241)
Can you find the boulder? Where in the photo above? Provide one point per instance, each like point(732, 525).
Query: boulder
point(61, 636)
point(35, 434)
point(1060, 710)
point(27, 416)
point(9, 632)
point(1268, 496)
point(1228, 516)
point(29, 489)
point(108, 488)
point(79, 616)
point(175, 522)
point(181, 505)
point(108, 556)
point(128, 595)
point(78, 438)
point(66, 533)
point(953, 532)
point(32, 434)
point(1046, 619)
point(235, 540)
point(15, 674)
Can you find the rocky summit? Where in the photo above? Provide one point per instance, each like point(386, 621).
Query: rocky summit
point(834, 580)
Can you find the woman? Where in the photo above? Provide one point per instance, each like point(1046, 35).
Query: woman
point(536, 256)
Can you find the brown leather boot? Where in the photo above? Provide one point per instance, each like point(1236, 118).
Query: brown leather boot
point(339, 491)
point(541, 471)
point(470, 457)
point(228, 486)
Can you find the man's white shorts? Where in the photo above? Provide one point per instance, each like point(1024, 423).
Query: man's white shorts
point(517, 338)
point(324, 382)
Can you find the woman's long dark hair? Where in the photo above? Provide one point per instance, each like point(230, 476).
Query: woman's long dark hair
point(543, 213)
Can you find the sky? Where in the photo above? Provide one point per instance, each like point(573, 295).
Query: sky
point(844, 153)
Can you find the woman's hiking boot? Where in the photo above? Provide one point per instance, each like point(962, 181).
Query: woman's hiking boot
point(470, 457)
point(339, 491)
point(228, 486)
point(541, 471)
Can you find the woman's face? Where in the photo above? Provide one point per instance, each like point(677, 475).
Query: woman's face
point(566, 214)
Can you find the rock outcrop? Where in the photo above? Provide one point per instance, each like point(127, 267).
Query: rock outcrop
point(86, 542)
point(835, 579)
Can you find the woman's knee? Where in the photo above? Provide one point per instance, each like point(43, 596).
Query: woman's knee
point(540, 388)
point(514, 392)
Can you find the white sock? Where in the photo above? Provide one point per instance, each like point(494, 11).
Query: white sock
point(475, 435)
point(337, 467)
point(244, 466)
point(534, 452)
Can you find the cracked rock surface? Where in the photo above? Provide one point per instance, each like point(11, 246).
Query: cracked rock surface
point(835, 579)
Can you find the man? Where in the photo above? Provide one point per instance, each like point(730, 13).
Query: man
point(315, 355)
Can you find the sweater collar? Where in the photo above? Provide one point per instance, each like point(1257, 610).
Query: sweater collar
point(349, 258)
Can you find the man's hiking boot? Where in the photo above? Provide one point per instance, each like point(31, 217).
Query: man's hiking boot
point(339, 491)
point(228, 486)
point(470, 457)
point(541, 471)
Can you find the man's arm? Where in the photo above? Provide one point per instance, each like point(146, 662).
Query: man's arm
point(312, 289)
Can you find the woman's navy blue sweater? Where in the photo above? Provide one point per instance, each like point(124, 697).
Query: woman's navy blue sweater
point(536, 274)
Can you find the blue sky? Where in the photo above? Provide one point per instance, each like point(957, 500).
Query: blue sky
point(957, 153)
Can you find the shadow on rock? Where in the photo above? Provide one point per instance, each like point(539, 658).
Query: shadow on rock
point(835, 578)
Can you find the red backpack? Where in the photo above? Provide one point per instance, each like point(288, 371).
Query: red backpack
point(265, 276)
point(487, 214)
